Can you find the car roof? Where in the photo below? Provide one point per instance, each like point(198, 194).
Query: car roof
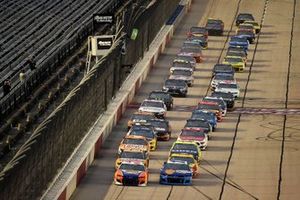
point(135, 137)
point(153, 100)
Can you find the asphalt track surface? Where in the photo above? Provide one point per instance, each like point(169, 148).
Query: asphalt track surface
point(249, 156)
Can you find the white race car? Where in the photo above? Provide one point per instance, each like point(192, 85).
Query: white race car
point(154, 106)
point(222, 77)
point(185, 75)
point(182, 66)
point(228, 88)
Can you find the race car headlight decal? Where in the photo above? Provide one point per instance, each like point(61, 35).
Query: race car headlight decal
point(142, 175)
point(119, 174)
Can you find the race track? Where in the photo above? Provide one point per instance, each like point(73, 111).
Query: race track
point(250, 156)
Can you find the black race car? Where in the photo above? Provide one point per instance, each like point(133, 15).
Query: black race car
point(223, 68)
point(188, 59)
point(162, 128)
point(227, 97)
point(199, 124)
point(243, 17)
point(175, 87)
point(197, 31)
point(164, 96)
point(238, 49)
point(215, 27)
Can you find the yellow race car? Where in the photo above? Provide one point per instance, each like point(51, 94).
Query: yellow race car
point(184, 147)
point(134, 143)
point(132, 156)
point(245, 27)
point(146, 131)
point(256, 26)
point(238, 63)
point(193, 164)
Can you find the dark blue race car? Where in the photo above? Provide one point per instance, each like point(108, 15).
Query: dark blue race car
point(206, 115)
point(239, 41)
point(174, 173)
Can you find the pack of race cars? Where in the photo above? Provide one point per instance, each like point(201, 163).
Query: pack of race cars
point(148, 125)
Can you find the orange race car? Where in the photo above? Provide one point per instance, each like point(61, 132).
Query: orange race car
point(131, 173)
point(134, 143)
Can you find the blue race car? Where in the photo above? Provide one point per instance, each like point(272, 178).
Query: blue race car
point(249, 35)
point(207, 115)
point(175, 173)
point(239, 41)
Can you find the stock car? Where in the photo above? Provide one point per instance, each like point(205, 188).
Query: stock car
point(200, 40)
point(189, 159)
point(190, 148)
point(223, 68)
point(241, 54)
point(181, 65)
point(197, 31)
point(175, 173)
point(256, 26)
point(157, 107)
point(163, 96)
point(242, 17)
point(139, 117)
point(245, 27)
point(185, 75)
point(237, 63)
point(199, 124)
point(146, 131)
point(211, 106)
point(209, 116)
point(162, 128)
point(131, 173)
point(237, 49)
point(134, 143)
point(132, 156)
point(220, 77)
point(220, 101)
point(232, 88)
point(192, 51)
point(175, 87)
point(197, 136)
point(227, 97)
point(188, 59)
point(215, 26)
point(249, 35)
point(239, 41)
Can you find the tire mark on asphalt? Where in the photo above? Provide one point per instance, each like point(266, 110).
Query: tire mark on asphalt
point(205, 195)
point(244, 97)
point(119, 195)
point(286, 101)
point(228, 181)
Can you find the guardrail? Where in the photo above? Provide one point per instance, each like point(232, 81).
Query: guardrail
point(74, 170)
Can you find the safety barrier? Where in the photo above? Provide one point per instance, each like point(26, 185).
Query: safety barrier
point(76, 167)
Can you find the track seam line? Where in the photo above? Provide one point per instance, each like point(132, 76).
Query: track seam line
point(286, 102)
point(169, 195)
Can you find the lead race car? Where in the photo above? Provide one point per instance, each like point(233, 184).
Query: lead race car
point(175, 173)
point(131, 173)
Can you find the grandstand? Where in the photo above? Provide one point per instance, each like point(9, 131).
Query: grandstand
point(33, 28)
point(47, 31)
